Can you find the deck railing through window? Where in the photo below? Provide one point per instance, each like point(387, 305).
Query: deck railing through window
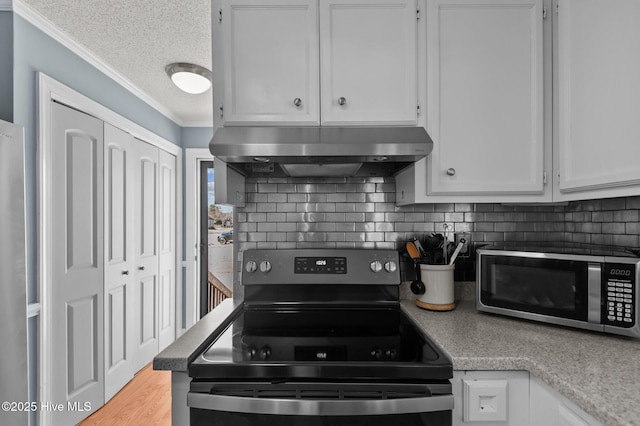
point(217, 292)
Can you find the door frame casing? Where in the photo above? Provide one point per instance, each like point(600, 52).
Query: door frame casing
point(50, 90)
point(194, 157)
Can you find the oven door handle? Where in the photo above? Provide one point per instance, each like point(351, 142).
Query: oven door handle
point(324, 407)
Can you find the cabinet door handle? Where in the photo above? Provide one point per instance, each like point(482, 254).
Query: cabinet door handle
point(125, 272)
point(141, 268)
point(451, 171)
point(297, 102)
point(342, 101)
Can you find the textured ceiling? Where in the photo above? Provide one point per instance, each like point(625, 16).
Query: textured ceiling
point(138, 39)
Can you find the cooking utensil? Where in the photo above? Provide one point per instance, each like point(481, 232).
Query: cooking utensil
point(413, 251)
point(457, 251)
point(433, 242)
point(416, 242)
point(417, 286)
point(445, 245)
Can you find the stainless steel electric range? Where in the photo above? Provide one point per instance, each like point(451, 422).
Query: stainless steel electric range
point(321, 340)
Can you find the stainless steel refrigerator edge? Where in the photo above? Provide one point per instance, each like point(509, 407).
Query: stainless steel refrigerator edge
point(13, 279)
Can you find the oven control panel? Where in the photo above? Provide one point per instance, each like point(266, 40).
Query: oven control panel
point(320, 266)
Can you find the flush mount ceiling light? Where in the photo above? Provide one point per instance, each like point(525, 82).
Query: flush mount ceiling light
point(190, 78)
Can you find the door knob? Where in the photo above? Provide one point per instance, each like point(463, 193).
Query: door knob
point(342, 101)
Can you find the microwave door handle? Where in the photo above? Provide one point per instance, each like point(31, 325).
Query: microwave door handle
point(594, 278)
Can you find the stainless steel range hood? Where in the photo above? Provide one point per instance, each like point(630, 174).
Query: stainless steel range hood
point(320, 151)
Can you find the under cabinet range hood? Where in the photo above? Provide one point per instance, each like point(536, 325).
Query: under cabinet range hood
point(320, 151)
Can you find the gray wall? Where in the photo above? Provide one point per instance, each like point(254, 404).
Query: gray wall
point(196, 137)
point(348, 213)
point(6, 66)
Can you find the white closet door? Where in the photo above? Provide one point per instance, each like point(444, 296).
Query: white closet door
point(167, 250)
point(118, 267)
point(77, 263)
point(146, 253)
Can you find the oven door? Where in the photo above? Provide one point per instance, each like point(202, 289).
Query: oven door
point(319, 404)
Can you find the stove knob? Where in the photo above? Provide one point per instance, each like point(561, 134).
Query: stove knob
point(251, 352)
point(376, 266)
point(251, 266)
point(376, 353)
point(265, 266)
point(392, 353)
point(390, 266)
point(265, 352)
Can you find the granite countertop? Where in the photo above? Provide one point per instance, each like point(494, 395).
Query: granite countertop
point(599, 373)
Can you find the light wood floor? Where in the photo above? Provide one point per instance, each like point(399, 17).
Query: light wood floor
point(145, 400)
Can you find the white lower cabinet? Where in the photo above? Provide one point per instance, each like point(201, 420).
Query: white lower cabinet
point(511, 398)
point(549, 408)
point(486, 398)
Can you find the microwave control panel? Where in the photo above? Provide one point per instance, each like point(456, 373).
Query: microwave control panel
point(619, 294)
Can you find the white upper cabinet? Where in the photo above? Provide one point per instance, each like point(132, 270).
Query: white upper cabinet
point(598, 123)
point(485, 103)
point(368, 61)
point(271, 61)
point(311, 62)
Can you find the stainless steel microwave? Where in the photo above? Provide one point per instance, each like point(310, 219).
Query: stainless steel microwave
point(569, 287)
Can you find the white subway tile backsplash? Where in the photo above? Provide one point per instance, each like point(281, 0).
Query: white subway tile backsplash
point(285, 227)
point(277, 198)
point(346, 207)
point(267, 227)
point(361, 212)
point(276, 217)
point(336, 198)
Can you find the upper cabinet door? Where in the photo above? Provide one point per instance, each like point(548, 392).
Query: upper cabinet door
point(485, 96)
point(369, 61)
point(271, 61)
point(599, 98)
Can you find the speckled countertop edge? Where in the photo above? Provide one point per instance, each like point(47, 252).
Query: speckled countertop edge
point(599, 373)
point(179, 354)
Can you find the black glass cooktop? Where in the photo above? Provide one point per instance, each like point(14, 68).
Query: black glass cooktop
point(331, 343)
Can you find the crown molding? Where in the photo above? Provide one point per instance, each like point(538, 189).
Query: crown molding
point(46, 26)
point(197, 124)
